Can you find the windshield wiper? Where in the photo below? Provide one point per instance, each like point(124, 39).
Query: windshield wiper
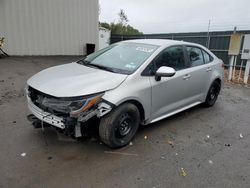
point(88, 64)
point(100, 67)
point(83, 62)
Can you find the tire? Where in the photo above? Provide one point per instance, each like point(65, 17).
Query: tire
point(119, 127)
point(212, 94)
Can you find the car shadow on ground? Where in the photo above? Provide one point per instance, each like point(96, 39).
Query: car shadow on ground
point(52, 138)
point(171, 119)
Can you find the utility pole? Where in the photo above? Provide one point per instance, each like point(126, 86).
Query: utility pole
point(208, 37)
point(235, 29)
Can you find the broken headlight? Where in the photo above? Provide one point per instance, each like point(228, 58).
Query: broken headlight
point(73, 106)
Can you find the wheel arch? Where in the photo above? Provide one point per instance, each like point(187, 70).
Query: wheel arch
point(138, 105)
point(218, 79)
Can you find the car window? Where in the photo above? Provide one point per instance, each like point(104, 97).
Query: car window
point(122, 57)
point(207, 57)
point(195, 56)
point(171, 57)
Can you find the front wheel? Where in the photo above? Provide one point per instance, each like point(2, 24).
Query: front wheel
point(119, 127)
point(212, 94)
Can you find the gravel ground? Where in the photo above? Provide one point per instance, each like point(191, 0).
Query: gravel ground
point(201, 147)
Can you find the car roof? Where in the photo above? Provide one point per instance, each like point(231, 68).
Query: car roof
point(161, 42)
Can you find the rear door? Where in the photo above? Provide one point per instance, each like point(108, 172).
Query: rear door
point(200, 73)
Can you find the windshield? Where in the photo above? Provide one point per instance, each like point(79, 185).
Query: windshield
point(122, 58)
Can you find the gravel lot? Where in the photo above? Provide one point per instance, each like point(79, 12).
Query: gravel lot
point(201, 147)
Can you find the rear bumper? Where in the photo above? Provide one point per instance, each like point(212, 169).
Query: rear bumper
point(45, 116)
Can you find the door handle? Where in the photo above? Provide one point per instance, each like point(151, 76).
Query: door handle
point(186, 77)
point(209, 69)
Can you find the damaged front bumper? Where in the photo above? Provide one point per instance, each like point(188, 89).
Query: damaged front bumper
point(69, 125)
point(45, 116)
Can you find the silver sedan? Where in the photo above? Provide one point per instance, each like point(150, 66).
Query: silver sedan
point(124, 85)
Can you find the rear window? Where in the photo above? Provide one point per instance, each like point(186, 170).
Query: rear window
point(195, 56)
point(207, 58)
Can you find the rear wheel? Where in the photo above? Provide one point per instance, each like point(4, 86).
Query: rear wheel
point(119, 127)
point(212, 94)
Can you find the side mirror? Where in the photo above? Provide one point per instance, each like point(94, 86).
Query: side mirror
point(164, 72)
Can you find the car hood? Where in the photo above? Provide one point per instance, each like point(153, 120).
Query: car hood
point(73, 79)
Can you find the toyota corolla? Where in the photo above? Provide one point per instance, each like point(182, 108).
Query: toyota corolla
point(125, 85)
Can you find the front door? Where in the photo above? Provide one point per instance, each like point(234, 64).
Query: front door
point(170, 93)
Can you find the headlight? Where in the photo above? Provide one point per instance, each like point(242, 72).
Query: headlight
point(87, 105)
point(72, 106)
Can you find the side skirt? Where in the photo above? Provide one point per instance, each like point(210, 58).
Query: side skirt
point(174, 112)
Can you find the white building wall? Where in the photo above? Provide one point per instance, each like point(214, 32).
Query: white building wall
point(48, 27)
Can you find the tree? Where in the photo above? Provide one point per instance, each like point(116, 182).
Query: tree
point(132, 31)
point(105, 25)
point(122, 27)
point(123, 19)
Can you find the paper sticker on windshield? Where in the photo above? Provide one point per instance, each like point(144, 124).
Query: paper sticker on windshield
point(143, 49)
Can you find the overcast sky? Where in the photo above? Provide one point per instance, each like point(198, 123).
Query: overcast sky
point(162, 16)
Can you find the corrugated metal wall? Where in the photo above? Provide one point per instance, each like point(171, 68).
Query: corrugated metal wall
point(218, 42)
point(48, 27)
